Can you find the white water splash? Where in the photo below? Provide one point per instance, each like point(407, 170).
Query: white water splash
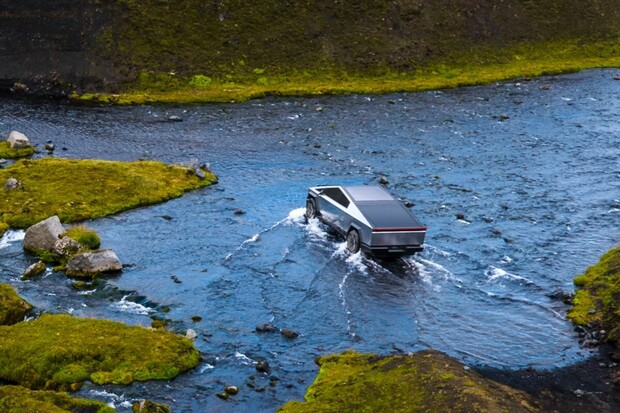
point(506, 259)
point(10, 237)
point(494, 274)
point(131, 307)
point(343, 301)
point(244, 359)
point(115, 399)
point(206, 367)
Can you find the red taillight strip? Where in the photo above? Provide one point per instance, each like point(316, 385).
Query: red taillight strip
point(398, 229)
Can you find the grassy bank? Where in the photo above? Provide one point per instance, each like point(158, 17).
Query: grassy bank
point(7, 152)
point(17, 399)
point(524, 61)
point(427, 381)
point(597, 300)
point(77, 190)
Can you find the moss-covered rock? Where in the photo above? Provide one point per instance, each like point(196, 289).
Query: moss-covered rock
point(17, 399)
point(3, 228)
point(13, 308)
point(597, 301)
point(76, 190)
point(146, 406)
point(86, 237)
point(11, 153)
point(427, 381)
point(61, 352)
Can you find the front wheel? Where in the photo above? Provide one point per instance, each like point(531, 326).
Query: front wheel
point(353, 241)
point(310, 209)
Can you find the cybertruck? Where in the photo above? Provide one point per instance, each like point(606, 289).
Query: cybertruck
point(369, 217)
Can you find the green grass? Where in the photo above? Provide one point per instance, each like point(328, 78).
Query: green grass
point(77, 190)
point(597, 300)
point(427, 381)
point(7, 152)
point(12, 306)
point(86, 237)
point(17, 399)
point(61, 352)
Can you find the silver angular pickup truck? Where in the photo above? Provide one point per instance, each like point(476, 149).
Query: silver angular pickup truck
point(369, 217)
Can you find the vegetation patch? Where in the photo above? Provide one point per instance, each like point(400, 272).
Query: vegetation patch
point(86, 237)
point(13, 308)
point(77, 190)
point(17, 399)
point(3, 228)
point(7, 152)
point(61, 352)
point(597, 301)
point(427, 381)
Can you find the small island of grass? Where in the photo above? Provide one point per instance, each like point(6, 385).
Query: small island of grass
point(61, 352)
point(17, 399)
point(77, 190)
point(427, 381)
point(11, 153)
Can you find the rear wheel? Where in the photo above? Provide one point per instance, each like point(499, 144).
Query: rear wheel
point(353, 241)
point(310, 209)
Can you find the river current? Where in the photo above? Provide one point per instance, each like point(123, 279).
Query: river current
point(532, 165)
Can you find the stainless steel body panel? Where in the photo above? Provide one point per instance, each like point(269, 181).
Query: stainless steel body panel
point(384, 225)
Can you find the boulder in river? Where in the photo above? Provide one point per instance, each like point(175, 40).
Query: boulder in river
point(90, 264)
point(18, 140)
point(147, 406)
point(65, 248)
point(34, 270)
point(43, 235)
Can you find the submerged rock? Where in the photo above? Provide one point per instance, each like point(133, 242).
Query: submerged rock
point(146, 406)
point(90, 264)
point(425, 381)
point(13, 308)
point(43, 235)
point(18, 140)
point(266, 328)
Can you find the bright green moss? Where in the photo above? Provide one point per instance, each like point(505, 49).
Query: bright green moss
point(60, 352)
point(426, 381)
point(76, 190)
point(86, 237)
point(13, 308)
point(7, 152)
point(17, 399)
point(597, 302)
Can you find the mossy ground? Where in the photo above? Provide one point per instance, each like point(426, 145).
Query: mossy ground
point(7, 152)
point(77, 190)
point(426, 381)
point(597, 300)
point(12, 306)
point(17, 399)
point(61, 352)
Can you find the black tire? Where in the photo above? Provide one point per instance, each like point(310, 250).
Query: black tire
point(310, 209)
point(353, 241)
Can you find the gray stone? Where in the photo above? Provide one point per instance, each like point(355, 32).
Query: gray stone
point(232, 390)
point(11, 184)
point(89, 264)
point(65, 248)
point(288, 333)
point(34, 270)
point(191, 334)
point(43, 235)
point(18, 140)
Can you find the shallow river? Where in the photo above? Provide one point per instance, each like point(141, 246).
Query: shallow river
point(534, 167)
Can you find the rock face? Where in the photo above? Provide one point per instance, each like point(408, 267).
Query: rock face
point(65, 248)
point(18, 140)
point(89, 264)
point(43, 235)
point(33, 270)
point(12, 184)
point(13, 308)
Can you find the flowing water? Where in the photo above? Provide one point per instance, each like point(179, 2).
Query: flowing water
point(534, 167)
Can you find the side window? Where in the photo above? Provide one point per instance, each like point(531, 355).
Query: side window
point(337, 195)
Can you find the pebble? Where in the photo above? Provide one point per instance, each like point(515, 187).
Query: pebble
point(191, 334)
point(175, 118)
point(263, 366)
point(383, 181)
point(232, 390)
